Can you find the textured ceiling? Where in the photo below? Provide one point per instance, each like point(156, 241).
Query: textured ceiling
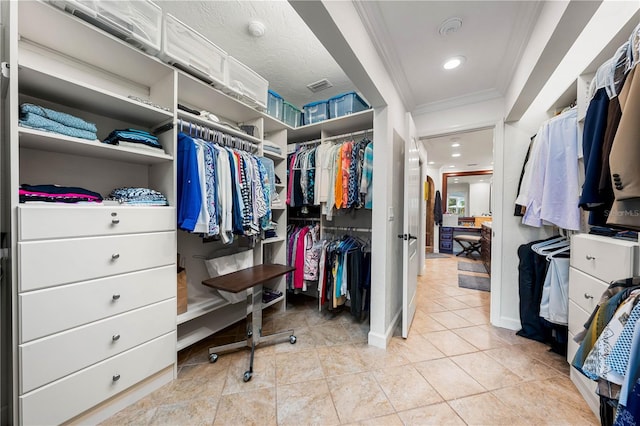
point(476, 148)
point(289, 56)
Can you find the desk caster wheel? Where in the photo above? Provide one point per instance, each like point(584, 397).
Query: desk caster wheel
point(247, 376)
point(293, 339)
point(213, 358)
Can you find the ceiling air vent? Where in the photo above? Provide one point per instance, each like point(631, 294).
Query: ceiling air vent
point(319, 85)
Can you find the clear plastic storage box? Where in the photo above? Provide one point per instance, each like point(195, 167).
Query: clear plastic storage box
point(274, 105)
point(291, 115)
point(136, 22)
point(316, 112)
point(345, 104)
point(190, 51)
point(246, 84)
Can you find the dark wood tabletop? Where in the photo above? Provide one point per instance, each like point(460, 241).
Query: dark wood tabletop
point(243, 279)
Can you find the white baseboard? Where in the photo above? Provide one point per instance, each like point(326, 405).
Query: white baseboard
point(508, 323)
point(382, 340)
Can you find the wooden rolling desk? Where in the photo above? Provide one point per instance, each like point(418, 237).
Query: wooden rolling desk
point(244, 279)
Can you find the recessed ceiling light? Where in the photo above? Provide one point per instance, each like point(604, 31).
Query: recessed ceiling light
point(457, 154)
point(481, 180)
point(455, 145)
point(432, 162)
point(452, 166)
point(454, 62)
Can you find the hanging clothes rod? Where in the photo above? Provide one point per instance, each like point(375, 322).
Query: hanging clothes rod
point(349, 135)
point(302, 219)
point(313, 142)
point(346, 228)
point(215, 135)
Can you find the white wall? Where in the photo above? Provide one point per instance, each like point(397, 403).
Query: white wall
point(339, 28)
point(461, 118)
point(479, 194)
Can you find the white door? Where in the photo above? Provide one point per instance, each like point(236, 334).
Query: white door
point(410, 234)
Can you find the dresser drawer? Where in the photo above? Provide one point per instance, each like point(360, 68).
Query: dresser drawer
point(100, 299)
point(62, 221)
point(577, 318)
point(48, 359)
point(605, 258)
point(585, 290)
point(54, 262)
point(66, 398)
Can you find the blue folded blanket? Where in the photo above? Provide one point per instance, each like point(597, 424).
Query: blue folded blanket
point(59, 117)
point(40, 123)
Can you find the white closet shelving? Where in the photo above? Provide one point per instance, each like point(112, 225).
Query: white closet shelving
point(208, 312)
point(94, 286)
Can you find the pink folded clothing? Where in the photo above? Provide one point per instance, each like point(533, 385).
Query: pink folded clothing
point(57, 194)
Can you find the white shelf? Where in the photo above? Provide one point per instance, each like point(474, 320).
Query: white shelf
point(273, 240)
point(64, 33)
point(85, 97)
point(278, 209)
point(201, 307)
point(195, 119)
point(195, 336)
point(273, 302)
point(53, 142)
point(335, 126)
point(273, 155)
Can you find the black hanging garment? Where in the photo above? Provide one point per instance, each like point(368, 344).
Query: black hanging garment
point(437, 209)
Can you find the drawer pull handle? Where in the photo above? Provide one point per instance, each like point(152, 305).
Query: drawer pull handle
point(115, 221)
point(116, 377)
point(588, 296)
point(115, 337)
point(116, 296)
point(115, 256)
point(590, 257)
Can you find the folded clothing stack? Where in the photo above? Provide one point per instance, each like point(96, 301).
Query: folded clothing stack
point(268, 295)
point(271, 147)
point(133, 138)
point(138, 196)
point(40, 118)
point(57, 194)
point(270, 233)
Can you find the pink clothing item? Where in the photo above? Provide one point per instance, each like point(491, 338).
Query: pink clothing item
point(298, 274)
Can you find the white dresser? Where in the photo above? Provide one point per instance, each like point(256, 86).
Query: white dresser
point(97, 298)
point(595, 262)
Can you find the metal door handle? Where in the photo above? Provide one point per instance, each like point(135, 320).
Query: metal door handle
point(115, 337)
point(412, 237)
point(116, 377)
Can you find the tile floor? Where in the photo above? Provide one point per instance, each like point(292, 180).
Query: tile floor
point(455, 368)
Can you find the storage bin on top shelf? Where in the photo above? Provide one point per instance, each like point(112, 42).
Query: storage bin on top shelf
point(275, 105)
point(315, 112)
point(137, 22)
point(345, 104)
point(246, 84)
point(185, 48)
point(291, 115)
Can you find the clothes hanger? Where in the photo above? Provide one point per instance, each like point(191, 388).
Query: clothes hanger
point(545, 249)
point(561, 250)
point(546, 243)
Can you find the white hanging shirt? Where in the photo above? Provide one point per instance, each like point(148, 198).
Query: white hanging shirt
point(554, 190)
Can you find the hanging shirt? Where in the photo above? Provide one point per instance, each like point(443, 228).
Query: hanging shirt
point(366, 184)
point(347, 149)
point(202, 224)
point(339, 176)
point(554, 194)
point(188, 191)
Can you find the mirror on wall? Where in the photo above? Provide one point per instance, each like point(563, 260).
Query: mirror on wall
point(467, 194)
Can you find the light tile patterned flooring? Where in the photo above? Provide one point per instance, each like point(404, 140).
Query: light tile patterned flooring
point(455, 368)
